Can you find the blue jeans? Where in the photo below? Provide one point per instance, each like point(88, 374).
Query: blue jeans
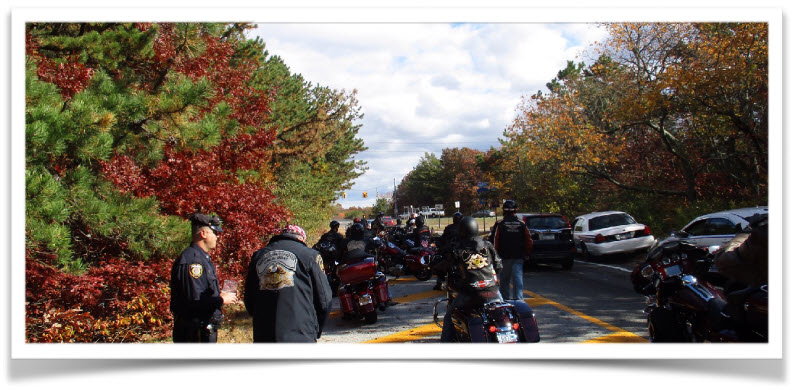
point(511, 279)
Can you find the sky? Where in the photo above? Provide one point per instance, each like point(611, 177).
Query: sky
point(423, 87)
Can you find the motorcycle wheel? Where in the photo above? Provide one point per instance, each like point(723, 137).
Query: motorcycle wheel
point(424, 274)
point(662, 327)
point(370, 318)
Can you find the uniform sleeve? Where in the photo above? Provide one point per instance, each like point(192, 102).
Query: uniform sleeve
point(198, 293)
point(322, 293)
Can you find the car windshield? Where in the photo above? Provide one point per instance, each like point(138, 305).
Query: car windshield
point(548, 222)
point(606, 221)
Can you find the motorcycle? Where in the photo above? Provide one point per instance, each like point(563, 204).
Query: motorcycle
point(329, 254)
point(417, 260)
point(687, 300)
point(362, 289)
point(500, 322)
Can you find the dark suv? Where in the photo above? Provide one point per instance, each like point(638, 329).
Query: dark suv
point(553, 239)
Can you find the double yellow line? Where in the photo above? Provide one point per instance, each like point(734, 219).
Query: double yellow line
point(618, 334)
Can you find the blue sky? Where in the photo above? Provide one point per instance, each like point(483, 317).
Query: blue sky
point(426, 86)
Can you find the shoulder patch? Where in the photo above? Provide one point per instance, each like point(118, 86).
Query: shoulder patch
point(319, 261)
point(196, 270)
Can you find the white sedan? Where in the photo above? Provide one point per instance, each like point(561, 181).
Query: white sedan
point(610, 232)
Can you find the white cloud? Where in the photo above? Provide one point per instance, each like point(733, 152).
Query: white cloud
point(424, 87)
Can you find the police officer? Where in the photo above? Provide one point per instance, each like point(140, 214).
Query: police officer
point(513, 242)
point(196, 299)
point(445, 243)
point(473, 265)
point(286, 291)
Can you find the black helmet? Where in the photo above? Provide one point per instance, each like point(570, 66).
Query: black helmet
point(356, 231)
point(399, 221)
point(510, 206)
point(467, 227)
point(334, 224)
point(457, 217)
point(380, 215)
point(419, 221)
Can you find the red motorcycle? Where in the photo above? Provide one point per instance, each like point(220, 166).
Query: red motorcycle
point(362, 289)
point(418, 259)
point(686, 301)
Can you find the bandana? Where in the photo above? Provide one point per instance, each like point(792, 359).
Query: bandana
point(296, 230)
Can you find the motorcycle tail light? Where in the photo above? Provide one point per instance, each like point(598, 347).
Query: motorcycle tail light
point(599, 238)
point(492, 329)
point(516, 325)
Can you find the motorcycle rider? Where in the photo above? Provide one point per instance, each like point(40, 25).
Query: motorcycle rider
point(333, 236)
point(286, 291)
point(473, 266)
point(445, 243)
point(358, 246)
point(745, 257)
point(378, 225)
point(512, 240)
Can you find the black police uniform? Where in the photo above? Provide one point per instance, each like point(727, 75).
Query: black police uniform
point(286, 292)
point(195, 297)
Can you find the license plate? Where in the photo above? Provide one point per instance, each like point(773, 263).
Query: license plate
point(623, 236)
point(547, 236)
point(364, 300)
point(507, 337)
point(672, 270)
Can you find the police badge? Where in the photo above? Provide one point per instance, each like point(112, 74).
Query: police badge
point(196, 270)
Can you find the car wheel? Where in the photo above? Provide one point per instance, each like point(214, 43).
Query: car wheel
point(585, 252)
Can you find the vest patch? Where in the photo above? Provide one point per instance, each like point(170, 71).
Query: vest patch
point(276, 270)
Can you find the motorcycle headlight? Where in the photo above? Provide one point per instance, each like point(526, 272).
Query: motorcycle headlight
point(647, 271)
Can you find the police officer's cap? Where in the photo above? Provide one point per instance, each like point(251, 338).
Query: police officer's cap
point(204, 220)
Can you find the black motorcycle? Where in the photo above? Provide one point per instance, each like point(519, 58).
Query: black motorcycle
point(493, 322)
point(689, 301)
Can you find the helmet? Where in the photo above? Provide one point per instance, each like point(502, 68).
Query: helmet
point(356, 220)
point(411, 222)
point(467, 227)
point(399, 221)
point(420, 221)
point(380, 215)
point(334, 224)
point(457, 217)
point(356, 231)
point(510, 206)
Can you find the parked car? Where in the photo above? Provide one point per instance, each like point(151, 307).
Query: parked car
point(484, 213)
point(610, 232)
point(716, 228)
point(553, 239)
point(388, 221)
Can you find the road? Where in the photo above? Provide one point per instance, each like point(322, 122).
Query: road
point(593, 302)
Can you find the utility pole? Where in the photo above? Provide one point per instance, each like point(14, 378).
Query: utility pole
point(395, 200)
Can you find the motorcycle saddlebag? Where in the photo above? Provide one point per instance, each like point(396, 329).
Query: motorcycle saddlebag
point(357, 272)
point(528, 323)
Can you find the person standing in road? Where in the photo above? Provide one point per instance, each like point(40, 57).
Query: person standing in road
point(378, 225)
point(286, 291)
point(196, 299)
point(513, 242)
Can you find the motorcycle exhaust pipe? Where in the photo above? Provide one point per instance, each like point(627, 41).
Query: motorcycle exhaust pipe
point(435, 312)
